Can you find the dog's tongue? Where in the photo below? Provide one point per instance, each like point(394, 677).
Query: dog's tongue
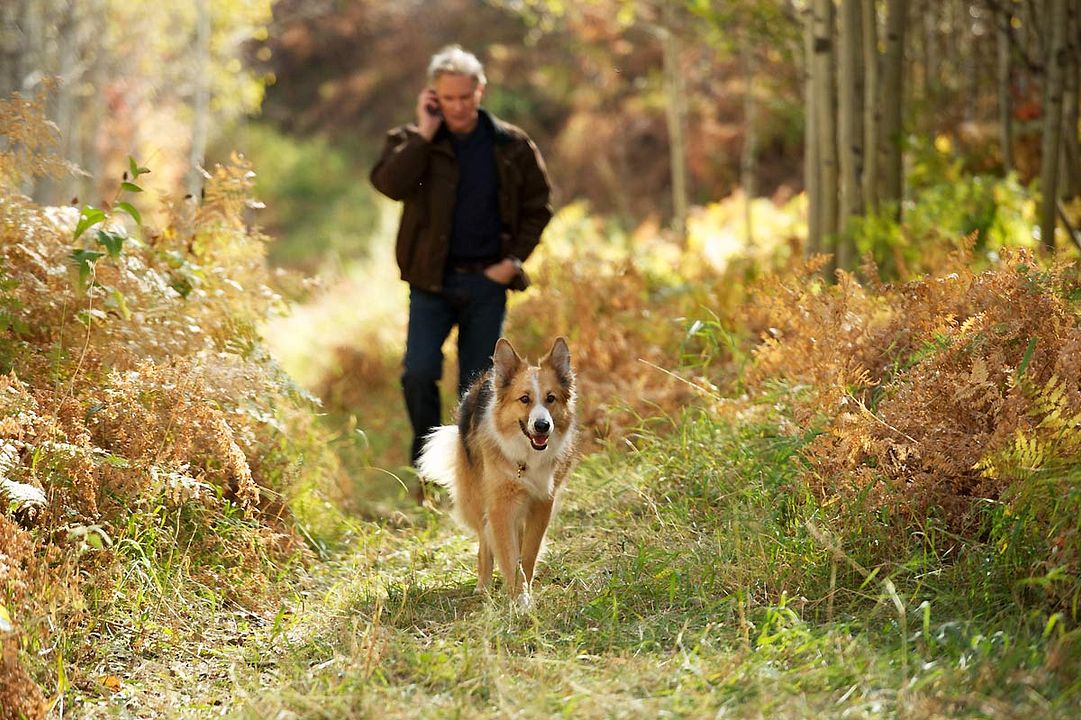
point(539, 441)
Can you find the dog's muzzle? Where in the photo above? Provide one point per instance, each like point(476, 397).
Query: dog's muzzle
point(541, 430)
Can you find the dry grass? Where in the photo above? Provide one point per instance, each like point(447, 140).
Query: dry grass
point(137, 391)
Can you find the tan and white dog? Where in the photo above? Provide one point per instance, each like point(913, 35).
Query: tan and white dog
point(507, 459)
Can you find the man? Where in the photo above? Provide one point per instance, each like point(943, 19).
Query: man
point(476, 197)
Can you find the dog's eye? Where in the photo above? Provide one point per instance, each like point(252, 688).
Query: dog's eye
point(550, 399)
point(524, 399)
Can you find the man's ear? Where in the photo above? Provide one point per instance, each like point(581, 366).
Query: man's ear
point(505, 362)
point(559, 359)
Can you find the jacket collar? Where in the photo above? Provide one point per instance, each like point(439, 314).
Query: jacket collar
point(501, 135)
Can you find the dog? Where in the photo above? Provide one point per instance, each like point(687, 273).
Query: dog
point(507, 460)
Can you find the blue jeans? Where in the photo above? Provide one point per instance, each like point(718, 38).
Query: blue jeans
point(477, 306)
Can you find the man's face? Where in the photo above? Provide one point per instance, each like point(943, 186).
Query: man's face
point(459, 97)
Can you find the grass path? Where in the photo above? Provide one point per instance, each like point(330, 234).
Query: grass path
point(678, 582)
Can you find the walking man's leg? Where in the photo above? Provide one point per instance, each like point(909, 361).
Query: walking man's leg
point(480, 325)
point(430, 320)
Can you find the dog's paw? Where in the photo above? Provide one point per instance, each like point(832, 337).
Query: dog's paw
point(523, 602)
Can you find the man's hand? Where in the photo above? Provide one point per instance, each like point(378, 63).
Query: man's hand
point(428, 122)
point(503, 271)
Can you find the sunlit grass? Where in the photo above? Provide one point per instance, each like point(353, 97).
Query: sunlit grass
point(680, 581)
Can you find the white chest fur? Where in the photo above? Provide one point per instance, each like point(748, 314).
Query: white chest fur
point(538, 480)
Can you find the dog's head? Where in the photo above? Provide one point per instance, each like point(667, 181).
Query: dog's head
point(534, 401)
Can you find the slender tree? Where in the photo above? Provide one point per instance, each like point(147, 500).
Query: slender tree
point(823, 23)
point(872, 109)
point(10, 46)
point(1003, 21)
point(747, 164)
point(1070, 163)
point(812, 153)
point(676, 115)
point(201, 101)
point(890, 137)
point(1052, 122)
point(70, 70)
point(850, 126)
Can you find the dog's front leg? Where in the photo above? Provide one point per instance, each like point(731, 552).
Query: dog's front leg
point(502, 530)
point(484, 560)
point(537, 517)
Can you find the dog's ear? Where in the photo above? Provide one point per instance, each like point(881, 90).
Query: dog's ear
point(505, 362)
point(559, 359)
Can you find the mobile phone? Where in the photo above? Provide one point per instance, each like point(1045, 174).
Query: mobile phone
point(432, 106)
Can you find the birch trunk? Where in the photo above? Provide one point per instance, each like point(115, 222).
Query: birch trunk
point(826, 122)
point(850, 121)
point(67, 104)
point(811, 155)
point(1052, 122)
point(676, 115)
point(1005, 110)
point(891, 129)
point(11, 41)
point(872, 110)
point(95, 109)
point(747, 165)
point(201, 104)
point(1070, 163)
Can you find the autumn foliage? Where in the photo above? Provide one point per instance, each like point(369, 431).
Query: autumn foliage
point(134, 387)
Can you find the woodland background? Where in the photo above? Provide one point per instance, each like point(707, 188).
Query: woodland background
point(817, 264)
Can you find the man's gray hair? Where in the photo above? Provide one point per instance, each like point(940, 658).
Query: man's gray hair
point(453, 60)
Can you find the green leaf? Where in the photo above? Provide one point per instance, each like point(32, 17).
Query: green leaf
point(89, 216)
point(94, 410)
point(85, 260)
point(1027, 358)
point(130, 210)
point(130, 187)
point(117, 461)
point(136, 171)
point(120, 303)
point(112, 242)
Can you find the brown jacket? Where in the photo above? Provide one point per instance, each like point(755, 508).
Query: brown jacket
point(424, 175)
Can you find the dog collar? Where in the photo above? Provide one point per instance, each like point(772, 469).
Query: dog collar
point(521, 470)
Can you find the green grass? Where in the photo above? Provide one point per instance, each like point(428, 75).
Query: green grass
point(681, 580)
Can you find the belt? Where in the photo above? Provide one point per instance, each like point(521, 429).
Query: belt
point(470, 266)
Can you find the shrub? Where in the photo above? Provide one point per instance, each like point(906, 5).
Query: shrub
point(135, 384)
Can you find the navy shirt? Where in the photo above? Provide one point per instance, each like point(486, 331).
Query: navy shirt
point(475, 230)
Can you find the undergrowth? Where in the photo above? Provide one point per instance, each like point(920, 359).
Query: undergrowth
point(153, 457)
point(695, 575)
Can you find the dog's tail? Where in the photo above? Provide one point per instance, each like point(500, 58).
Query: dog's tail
point(439, 460)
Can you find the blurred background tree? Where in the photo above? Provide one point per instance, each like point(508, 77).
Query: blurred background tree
point(644, 109)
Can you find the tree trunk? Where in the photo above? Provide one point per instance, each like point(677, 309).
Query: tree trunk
point(826, 121)
point(201, 103)
point(850, 120)
point(747, 165)
point(1052, 122)
point(811, 154)
point(11, 47)
point(872, 110)
point(1005, 109)
point(67, 102)
point(930, 16)
point(95, 104)
point(37, 66)
point(891, 130)
point(1070, 163)
point(676, 114)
